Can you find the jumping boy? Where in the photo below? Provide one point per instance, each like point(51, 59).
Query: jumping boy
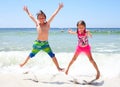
point(41, 43)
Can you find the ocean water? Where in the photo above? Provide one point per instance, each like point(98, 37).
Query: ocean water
point(16, 44)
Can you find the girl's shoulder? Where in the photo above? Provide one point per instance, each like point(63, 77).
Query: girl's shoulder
point(87, 31)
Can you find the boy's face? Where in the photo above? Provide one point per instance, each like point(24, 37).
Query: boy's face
point(41, 18)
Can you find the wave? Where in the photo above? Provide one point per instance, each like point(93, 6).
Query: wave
point(41, 63)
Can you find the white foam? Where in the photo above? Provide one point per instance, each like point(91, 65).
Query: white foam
point(42, 63)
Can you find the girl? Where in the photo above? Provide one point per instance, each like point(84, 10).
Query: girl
point(83, 45)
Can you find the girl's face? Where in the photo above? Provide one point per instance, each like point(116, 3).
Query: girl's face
point(42, 19)
point(81, 28)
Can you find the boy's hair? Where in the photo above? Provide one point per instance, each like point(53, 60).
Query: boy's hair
point(41, 13)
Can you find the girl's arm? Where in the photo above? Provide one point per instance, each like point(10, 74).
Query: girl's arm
point(89, 34)
point(30, 15)
point(55, 13)
point(71, 32)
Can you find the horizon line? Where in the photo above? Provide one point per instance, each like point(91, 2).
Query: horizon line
point(59, 27)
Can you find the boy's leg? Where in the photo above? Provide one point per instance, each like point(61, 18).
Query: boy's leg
point(22, 64)
point(48, 50)
point(32, 54)
point(56, 64)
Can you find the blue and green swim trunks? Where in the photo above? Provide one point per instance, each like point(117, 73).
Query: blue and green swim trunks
point(41, 45)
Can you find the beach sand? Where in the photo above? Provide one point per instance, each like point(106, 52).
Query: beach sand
point(48, 76)
point(50, 80)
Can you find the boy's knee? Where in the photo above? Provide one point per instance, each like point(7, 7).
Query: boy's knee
point(52, 55)
point(31, 55)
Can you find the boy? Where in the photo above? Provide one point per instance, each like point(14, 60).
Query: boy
point(41, 43)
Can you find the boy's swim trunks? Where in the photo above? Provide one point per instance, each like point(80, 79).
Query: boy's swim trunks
point(41, 45)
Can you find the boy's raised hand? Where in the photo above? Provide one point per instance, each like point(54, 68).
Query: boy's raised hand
point(25, 9)
point(61, 5)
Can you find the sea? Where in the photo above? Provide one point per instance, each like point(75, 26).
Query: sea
point(16, 44)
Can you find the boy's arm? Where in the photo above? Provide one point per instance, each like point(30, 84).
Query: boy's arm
point(55, 13)
point(30, 15)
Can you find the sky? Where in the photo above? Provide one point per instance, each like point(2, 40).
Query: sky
point(96, 13)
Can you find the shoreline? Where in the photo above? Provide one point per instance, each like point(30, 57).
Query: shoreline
point(50, 80)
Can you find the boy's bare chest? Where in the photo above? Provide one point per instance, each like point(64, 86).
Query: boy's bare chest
point(42, 29)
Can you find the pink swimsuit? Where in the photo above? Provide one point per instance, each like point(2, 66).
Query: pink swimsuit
point(83, 45)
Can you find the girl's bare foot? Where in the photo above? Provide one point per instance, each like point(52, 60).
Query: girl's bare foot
point(98, 75)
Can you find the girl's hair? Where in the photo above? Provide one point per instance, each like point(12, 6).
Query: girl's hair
point(41, 13)
point(81, 22)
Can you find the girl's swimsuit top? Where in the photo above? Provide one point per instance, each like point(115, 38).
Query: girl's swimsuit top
point(82, 39)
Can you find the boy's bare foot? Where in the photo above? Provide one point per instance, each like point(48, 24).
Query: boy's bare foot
point(21, 65)
point(66, 72)
point(61, 69)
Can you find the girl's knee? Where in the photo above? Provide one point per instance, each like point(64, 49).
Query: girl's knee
point(91, 60)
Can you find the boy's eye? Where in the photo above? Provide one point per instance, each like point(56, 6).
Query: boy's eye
point(42, 18)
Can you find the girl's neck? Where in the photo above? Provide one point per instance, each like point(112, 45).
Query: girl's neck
point(81, 32)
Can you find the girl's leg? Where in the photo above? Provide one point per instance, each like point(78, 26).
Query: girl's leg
point(94, 64)
point(22, 64)
point(71, 62)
